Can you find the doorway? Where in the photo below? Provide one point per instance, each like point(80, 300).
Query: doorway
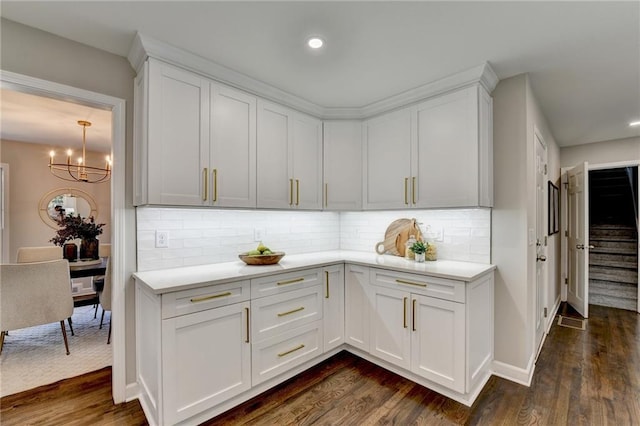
point(53, 90)
point(613, 232)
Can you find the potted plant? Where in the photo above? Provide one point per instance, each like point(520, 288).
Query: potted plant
point(419, 248)
point(76, 227)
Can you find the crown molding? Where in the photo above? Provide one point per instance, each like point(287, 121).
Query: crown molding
point(144, 46)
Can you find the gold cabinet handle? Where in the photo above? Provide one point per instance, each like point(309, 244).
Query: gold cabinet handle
point(297, 280)
point(214, 172)
point(410, 283)
point(326, 195)
point(297, 192)
point(413, 190)
point(247, 312)
point(205, 184)
point(326, 275)
point(213, 296)
point(413, 314)
point(290, 192)
point(293, 311)
point(297, 348)
point(404, 315)
point(406, 184)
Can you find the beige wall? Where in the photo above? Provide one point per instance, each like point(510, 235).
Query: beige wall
point(516, 115)
point(601, 152)
point(29, 180)
point(38, 54)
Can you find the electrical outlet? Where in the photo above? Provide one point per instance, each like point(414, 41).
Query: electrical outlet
point(258, 234)
point(162, 239)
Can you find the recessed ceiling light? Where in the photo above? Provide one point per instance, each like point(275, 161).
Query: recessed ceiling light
point(634, 123)
point(315, 42)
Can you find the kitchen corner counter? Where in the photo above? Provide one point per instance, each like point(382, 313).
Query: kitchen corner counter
point(176, 279)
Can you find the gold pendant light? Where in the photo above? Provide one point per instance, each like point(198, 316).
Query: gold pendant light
point(80, 172)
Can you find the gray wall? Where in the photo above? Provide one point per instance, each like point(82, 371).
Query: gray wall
point(601, 152)
point(38, 54)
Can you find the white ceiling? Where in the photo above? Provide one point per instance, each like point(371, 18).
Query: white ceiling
point(583, 58)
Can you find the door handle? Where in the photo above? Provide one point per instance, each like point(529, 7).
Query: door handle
point(582, 246)
point(542, 258)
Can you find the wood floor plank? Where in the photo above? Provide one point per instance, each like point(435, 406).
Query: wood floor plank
point(589, 377)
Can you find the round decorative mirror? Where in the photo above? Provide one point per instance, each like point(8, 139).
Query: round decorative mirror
point(65, 201)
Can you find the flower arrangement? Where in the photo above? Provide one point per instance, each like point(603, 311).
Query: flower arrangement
point(72, 227)
point(419, 247)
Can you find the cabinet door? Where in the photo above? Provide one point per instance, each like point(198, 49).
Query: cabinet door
point(333, 314)
point(437, 342)
point(178, 136)
point(342, 165)
point(306, 156)
point(357, 306)
point(387, 161)
point(206, 359)
point(274, 178)
point(233, 148)
point(445, 157)
point(390, 335)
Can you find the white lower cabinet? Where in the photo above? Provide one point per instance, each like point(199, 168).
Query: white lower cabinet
point(206, 349)
point(333, 307)
point(206, 359)
point(357, 306)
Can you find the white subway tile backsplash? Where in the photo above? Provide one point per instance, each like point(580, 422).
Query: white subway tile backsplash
point(204, 236)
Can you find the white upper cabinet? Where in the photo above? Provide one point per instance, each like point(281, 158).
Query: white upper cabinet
point(233, 148)
point(342, 165)
point(436, 154)
point(451, 151)
point(387, 160)
point(289, 158)
point(177, 136)
point(199, 140)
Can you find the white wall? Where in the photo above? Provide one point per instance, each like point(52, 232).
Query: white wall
point(39, 54)
point(205, 236)
point(30, 179)
point(601, 152)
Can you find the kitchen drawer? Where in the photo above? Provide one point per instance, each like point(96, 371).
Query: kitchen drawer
point(285, 351)
point(441, 288)
point(281, 312)
point(203, 298)
point(274, 284)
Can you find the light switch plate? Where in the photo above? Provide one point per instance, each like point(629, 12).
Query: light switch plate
point(258, 234)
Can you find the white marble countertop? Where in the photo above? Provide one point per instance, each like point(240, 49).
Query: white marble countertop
point(176, 279)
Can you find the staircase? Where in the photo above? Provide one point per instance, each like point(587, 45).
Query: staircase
point(613, 266)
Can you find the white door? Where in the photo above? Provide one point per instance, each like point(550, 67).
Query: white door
point(306, 156)
point(356, 303)
point(578, 239)
point(233, 148)
point(541, 232)
point(343, 165)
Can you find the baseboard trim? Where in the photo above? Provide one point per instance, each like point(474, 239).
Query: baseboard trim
point(515, 374)
point(554, 312)
point(132, 391)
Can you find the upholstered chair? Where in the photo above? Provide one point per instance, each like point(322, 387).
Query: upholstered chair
point(34, 294)
point(105, 297)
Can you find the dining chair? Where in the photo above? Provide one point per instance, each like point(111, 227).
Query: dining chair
point(42, 254)
point(98, 281)
point(104, 297)
point(34, 294)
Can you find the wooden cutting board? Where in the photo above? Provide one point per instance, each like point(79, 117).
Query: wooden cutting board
point(396, 236)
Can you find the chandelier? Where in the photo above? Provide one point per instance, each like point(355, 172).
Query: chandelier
point(80, 172)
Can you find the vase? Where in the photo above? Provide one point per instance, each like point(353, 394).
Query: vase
point(89, 249)
point(420, 257)
point(70, 251)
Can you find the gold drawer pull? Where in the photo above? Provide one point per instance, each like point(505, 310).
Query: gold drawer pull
point(410, 283)
point(215, 184)
point(247, 311)
point(283, 314)
point(406, 184)
point(404, 315)
point(413, 190)
point(297, 280)
point(297, 348)
point(205, 182)
point(297, 192)
point(413, 314)
point(326, 274)
point(213, 296)
point(290, 192)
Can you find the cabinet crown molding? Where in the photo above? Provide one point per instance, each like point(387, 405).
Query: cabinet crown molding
point(144, 47)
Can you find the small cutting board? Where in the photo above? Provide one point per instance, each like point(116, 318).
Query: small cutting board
point(396, 236)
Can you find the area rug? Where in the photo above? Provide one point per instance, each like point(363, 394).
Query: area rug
point(36, 356)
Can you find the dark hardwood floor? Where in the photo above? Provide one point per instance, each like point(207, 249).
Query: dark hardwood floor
point(587, 377)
